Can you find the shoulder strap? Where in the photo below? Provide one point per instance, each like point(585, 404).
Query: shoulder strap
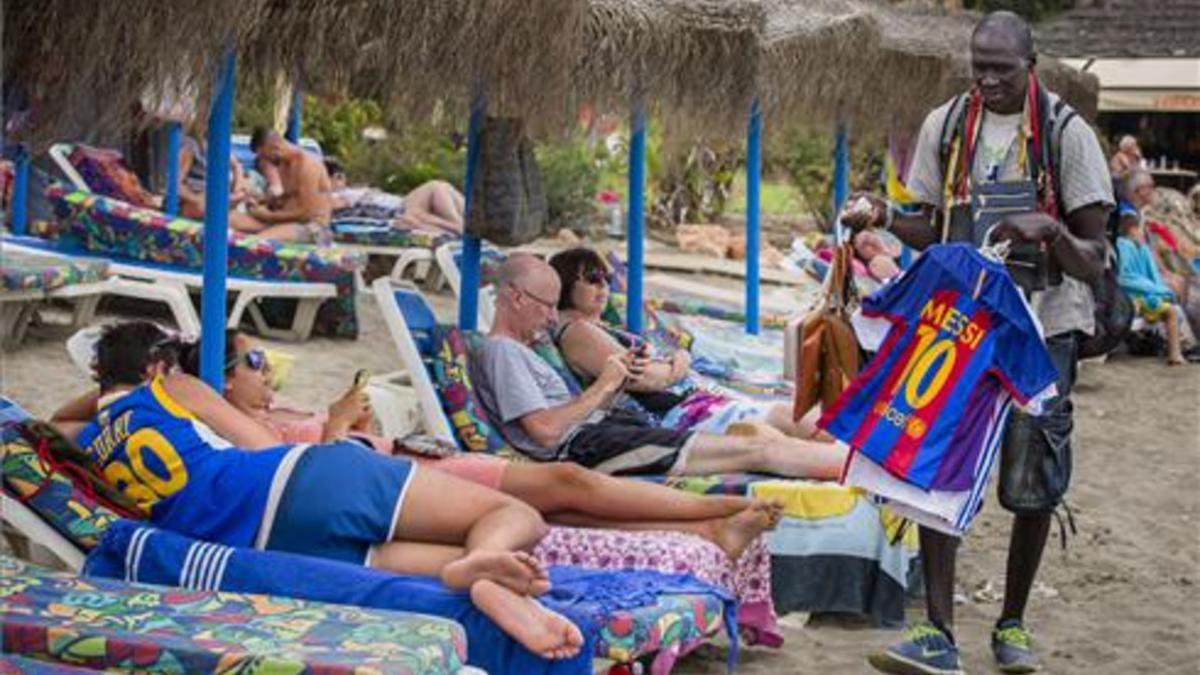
point(952, 125)
point(1054, 125)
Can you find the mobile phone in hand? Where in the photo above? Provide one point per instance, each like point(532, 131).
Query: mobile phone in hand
point(360, 379)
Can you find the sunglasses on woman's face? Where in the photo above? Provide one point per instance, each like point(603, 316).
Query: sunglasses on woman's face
point(597, 278)
point(255, 359)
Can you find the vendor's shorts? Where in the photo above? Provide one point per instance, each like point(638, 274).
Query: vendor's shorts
point(625, 443)
point(340, 501)
point(1035, 459)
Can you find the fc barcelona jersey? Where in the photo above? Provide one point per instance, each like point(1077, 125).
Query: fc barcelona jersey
point(959, 343)
point(190, 480)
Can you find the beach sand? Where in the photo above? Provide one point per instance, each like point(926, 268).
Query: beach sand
point(1122, 598)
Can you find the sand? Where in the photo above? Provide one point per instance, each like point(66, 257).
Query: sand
point(1122, 598)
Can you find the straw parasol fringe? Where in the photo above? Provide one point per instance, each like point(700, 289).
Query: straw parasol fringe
point(698, 63)
point(64, 54)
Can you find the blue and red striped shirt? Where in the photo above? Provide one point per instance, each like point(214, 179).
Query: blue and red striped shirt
point(960, 341)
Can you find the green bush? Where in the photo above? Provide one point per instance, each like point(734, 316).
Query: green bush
point(571, 178)
point(806, 158)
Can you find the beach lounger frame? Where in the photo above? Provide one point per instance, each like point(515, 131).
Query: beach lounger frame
point(432, 418)
point(26, 522)
point(171, 285)
point(17, 306)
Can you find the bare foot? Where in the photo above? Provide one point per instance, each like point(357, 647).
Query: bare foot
point(734, 533)
point(773, 508)
point(543, 632)
point(514, 570)
point(1176, 360)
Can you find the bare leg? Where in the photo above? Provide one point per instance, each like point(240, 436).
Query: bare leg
point(572, 495)
point(542, 631)
point(732, 534)
point(780, 417)
point(492, 529)
point(939, 553)
point(564, 487)
point(1174, 347)
point(791, 457)
point(244, 222)
point(431, 204)
point(1025, 548)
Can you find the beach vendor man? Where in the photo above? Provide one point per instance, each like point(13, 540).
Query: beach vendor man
point(1008, 160)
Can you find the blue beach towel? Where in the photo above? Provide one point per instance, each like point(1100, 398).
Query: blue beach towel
point(138, 553)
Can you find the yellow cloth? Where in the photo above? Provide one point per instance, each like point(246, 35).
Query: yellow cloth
point(809, 500)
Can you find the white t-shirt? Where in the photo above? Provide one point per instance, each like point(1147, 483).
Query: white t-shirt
point(1084, 179)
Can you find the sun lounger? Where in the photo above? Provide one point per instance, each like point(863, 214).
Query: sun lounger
point(413, 327)
point(835, 550)
point(106, 624)
point(622, 627)
point(412, 247)
point(30, 274)
point(146, 245)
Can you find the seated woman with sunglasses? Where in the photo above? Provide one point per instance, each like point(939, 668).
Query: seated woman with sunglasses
point(564, 493)
point(660, 384)
point(199, 466)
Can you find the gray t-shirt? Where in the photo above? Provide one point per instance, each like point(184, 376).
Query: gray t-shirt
point(1083, 175)
point(512, 381)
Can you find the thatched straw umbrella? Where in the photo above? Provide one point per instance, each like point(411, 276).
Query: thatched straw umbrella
point(61, 53)
point(815, 59)
point(419, 52)
point(689, 60)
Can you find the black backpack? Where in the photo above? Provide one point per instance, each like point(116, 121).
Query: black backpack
point(1114, 312)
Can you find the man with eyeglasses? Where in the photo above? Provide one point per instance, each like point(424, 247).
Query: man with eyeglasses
point(537, 413)
point(1009, 142)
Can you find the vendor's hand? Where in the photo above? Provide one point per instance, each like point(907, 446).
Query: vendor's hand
point(260, 212)
point(614, 373)
point(1029, 227)
point(863, 210)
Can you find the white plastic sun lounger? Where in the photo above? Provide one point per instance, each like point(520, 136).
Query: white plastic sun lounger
point(17, 306)
point(135, 276)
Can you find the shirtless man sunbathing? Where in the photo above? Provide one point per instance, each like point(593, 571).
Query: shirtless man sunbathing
point(304, 204)
point(198, 466)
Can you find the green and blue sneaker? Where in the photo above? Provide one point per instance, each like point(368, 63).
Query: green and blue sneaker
point(1012, 645)
point(926, 650)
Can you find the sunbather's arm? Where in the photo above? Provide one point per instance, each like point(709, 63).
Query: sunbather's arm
point(308, 203)
point(218, 414)
point(548, 426)
point(186, 194)
point(74, 415)
point(587, 347)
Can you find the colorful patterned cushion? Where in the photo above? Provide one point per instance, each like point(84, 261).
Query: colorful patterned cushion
point(104, 624)
point(748, 578)
point(372, 234)
point(105, 173)
point(21, 271)
point(115, 228)
point(52, 495)
point(448, 370)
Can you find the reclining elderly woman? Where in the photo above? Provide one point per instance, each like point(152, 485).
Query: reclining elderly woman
point(199, 466)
